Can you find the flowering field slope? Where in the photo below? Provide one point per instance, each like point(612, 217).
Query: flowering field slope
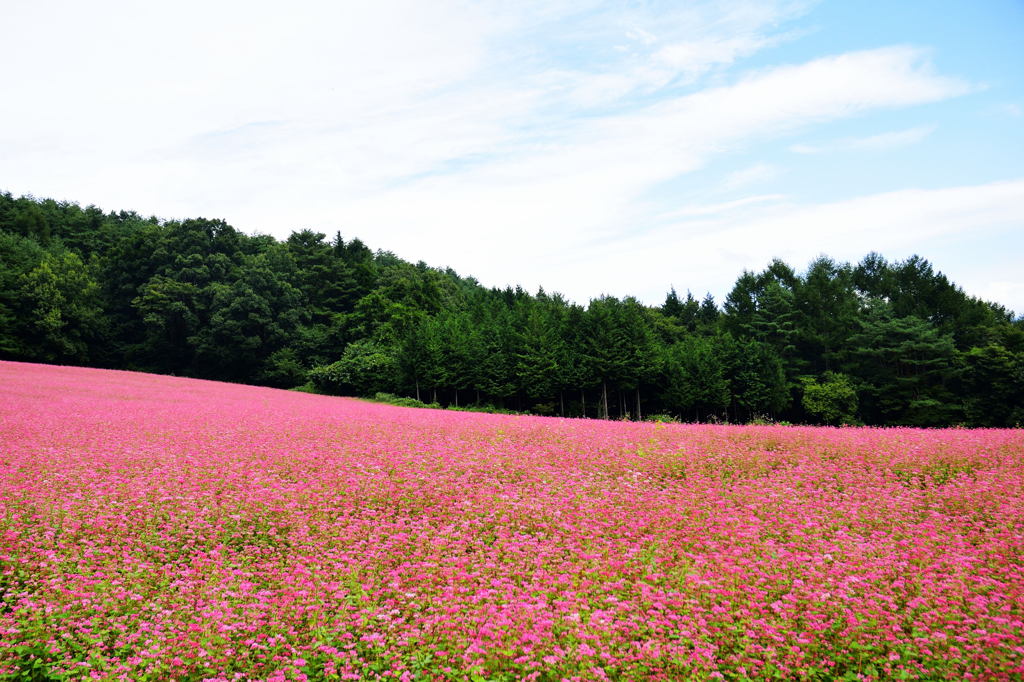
point(163, 528)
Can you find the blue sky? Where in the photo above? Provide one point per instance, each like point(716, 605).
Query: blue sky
point(591, 148)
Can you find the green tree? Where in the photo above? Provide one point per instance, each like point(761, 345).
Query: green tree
point(495, 376)
point(992, 386)
point(828, 309)
point(326, 281)
point(170, 311)
point(125, 268)
point(775, 323)
point(693, 384)
point(709, 315)
point(365, 368)
point(250, 319)
point(578, 372)
point(30, 221)
point(832, 399)
point(60, 310)
point(539, 350)
point(904, 369)
point(757, 381)
point(418, 354)
point(18, 256)
point(620, 348)
point(741, 305)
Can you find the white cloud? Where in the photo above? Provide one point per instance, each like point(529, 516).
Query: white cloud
point(894, 220)
point(680, 47)
point(703, 37)
point(1012, 109)
point(472, 144)
point(170, 105)
point(882, 141)
point(695, 58)
point(751, 175)
point(162, 106)
point(720, 208)
point(521, 205)
point(643, 36)
point(950, 226)
point(1009, 293)
point(193, 66)
point(524, 215)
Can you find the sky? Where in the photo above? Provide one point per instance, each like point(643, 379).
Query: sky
point(590, 148)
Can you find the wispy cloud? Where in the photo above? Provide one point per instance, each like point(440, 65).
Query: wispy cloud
point(365, 97)
point(882, 141)
point(697, 210)
point(751, 175)
point(665, 50)
point(709, 248)
point(510, 141)
point(1012, 109)
point(583, 185)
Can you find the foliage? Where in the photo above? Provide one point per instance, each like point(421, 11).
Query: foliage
point(905, 369)
point(60, 316)
point(366, 368)
point(196, 297)
point(307, 387)
point(400, 401)
point(832, 399)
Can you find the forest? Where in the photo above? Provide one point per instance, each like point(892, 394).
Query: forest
point(877, 342)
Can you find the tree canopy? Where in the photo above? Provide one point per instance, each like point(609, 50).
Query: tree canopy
point(876, 342)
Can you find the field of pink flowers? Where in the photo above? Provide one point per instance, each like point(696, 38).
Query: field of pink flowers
point(157, 528)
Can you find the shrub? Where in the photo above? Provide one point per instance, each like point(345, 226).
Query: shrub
point(832, 400)
point(364, 369)
point(401, 401)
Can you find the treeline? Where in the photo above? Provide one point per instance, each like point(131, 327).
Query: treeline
point(876, 342)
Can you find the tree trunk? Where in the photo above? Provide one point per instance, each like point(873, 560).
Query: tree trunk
point(456, 397)
point(561, 404)
point(638, 417)
point(435, 394)
point(604, 399)
point(583, 403)
point(418, 389)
